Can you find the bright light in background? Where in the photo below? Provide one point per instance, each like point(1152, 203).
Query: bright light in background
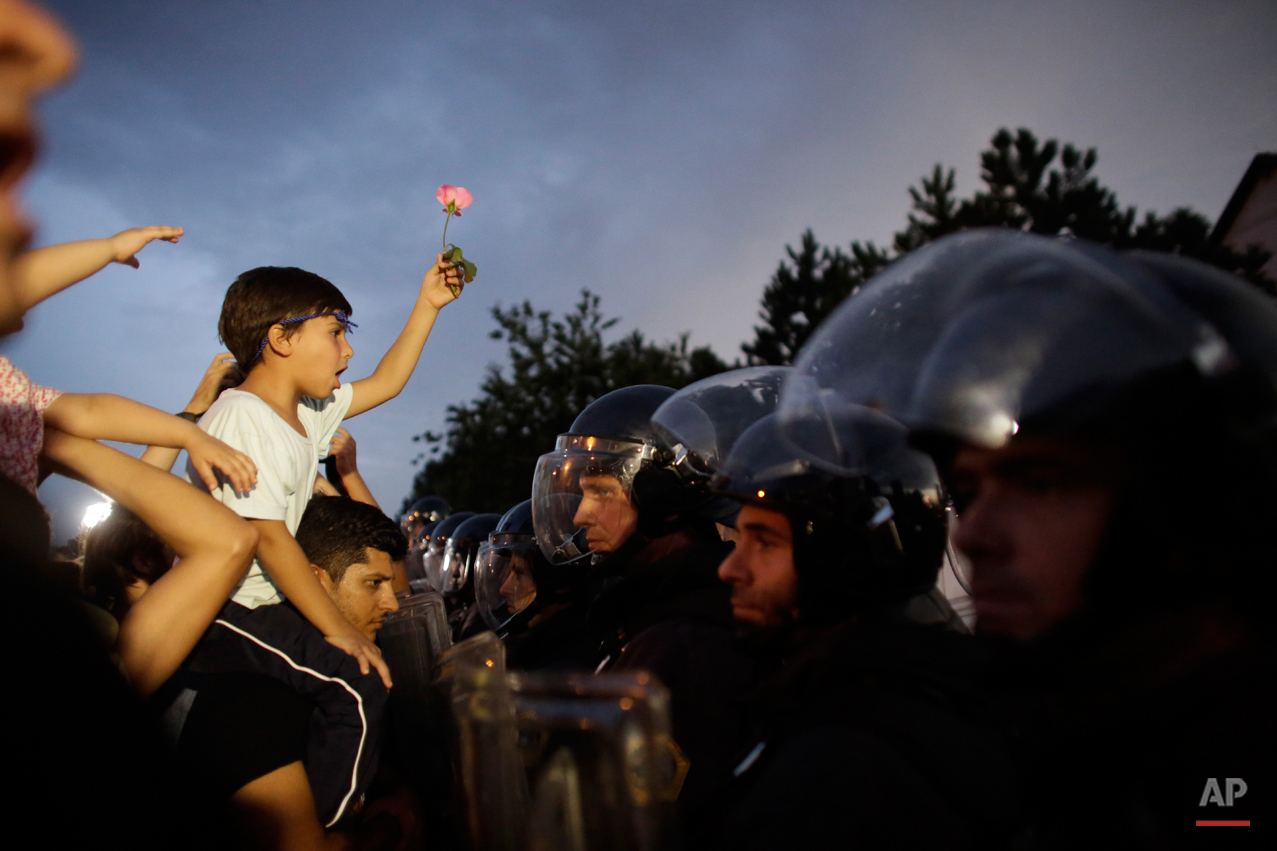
point(95, 514)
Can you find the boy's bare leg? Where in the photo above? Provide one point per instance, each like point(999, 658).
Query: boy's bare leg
point(282, 558)
point(278, 811)
point(103, 416)
point(213, 544)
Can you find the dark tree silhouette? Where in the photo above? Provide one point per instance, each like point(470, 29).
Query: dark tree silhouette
point(1021, 190)
point(485, 459)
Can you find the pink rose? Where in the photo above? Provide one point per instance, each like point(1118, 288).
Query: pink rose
point(454, 198)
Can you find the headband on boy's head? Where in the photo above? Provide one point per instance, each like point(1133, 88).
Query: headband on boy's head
point(339, 315)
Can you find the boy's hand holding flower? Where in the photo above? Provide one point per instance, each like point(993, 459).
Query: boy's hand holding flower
point(454, 200)
point(443, 283)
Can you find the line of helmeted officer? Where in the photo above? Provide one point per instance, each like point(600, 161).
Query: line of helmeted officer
point(1105, 423)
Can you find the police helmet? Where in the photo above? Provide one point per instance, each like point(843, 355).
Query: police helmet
point(612, 446)
point(867, 511)
point(428, 509)
point(414, 562)
point(991, 334)
point(508, 568)
point(437, 548)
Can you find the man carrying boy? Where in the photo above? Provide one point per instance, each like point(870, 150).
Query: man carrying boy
point(287, 328)
point(354, 551)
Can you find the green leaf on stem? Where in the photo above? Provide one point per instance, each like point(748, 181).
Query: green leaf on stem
point(452, 254)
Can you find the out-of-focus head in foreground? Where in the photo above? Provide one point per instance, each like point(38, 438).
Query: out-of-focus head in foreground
point(35, 55)
point(1105, 421)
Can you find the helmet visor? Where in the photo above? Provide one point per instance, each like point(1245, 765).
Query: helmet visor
point(581, 496)
point(433, 562)
point(984, 331)
point(454, 569)
point(843, 441)
point(414, 563)
point(503, 580)
point(708, 416)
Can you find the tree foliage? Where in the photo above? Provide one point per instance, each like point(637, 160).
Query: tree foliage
point(485, 459)
point(1026, 187)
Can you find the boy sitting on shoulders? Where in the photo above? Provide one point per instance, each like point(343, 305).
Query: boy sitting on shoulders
point(260, 773)
point(287, 329)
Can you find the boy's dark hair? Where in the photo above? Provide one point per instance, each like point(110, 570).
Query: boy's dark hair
point(119, 551)
point(335, 531)
point(261, 297)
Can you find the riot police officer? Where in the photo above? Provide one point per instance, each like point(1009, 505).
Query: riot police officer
point(1106, 423)
point(620, 508)
point(428, 509)
point(612, 501)
point(456, 572)
point(870, 728)
point(536, 608)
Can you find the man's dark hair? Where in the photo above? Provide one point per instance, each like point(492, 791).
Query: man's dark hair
point(336, 530)
point(119, 551)
point(261, 297)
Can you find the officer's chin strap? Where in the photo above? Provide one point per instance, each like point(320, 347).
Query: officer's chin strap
point(573, 548)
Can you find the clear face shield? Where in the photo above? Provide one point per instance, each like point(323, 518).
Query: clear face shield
point(981, 332)
point(432, 559)
point(458, 562)
point(503, 582)
point(414, 562)
point(845, 441)
point(581, 496)
point(411, 524)
point(707, 417)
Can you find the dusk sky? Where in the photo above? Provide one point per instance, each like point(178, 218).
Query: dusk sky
point(661, 154)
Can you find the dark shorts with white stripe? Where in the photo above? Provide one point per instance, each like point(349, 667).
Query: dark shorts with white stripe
point(344, 737)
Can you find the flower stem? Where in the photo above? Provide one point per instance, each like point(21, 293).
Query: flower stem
point(445, 232)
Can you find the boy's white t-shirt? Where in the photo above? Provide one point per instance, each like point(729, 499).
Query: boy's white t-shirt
point(287, 464)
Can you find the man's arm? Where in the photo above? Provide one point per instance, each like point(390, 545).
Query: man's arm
point(214, 547)
point(289, 568)
point(43, 272)
point(342, 450)
point(278, 811)
point(390, 376)
point(103, 416)
point(223, 373)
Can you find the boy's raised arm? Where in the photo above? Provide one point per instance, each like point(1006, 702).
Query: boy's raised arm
point(390, 376)
point(282, 557)
point(214, 545)
point(43, 272)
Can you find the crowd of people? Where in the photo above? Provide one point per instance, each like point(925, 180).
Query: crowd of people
point(1088, 438)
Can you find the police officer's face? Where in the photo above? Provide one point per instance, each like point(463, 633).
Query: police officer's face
point(761, 568)
point(1031, 516)
point(606, 513)
point(518, 589)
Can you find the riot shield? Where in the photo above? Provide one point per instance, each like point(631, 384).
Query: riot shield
point(599, 760)
point(413, 640)
point(484, 744)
